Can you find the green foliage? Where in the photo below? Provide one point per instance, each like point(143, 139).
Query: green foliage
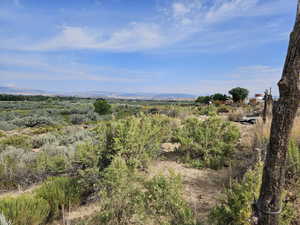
point(25, 210)
point(41, 140)
point(15, 167)
point(203, 99)
point(208, 143)
point(136, 139)
point(293, 162)
point(219, 97)
point(164, 195)
point(239, 94)
point(123, 111)
point(59, 192)
point(102, 107)
point(18, 141)
point(127, 198)
point(209, 110)
point(34, 121)
point(224, 109)
point(53, 160)
point(78, 119)
point(214, 97)
point(6, 126)
point(236, 207)
point(289, 214)
point(86, 164)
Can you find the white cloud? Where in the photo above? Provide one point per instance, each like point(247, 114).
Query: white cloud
point(182, 23)
point(135, 36)
point(179, 9)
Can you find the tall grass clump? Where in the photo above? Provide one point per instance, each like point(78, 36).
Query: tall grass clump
point(60, 193)
point(208, 143)
point(293, 161)
point(25, 210)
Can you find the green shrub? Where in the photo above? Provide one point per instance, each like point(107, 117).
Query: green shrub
point(102, 107)
point(6, 126)
point(33, 121)
point(123, 111)
point(208, 143)
point(127, 198)
point(239, 94)
point(224, 109)
point(236, 207)
point(16, 167)
point(203, 99)
point(25, 210)
point(164, 196)
point(18, 141)
point(40, 140)
point(136, 139)
point(86, 165)
point(207, 110)
point(78, 118)
point(53, 159)
point(2, 134)
point(60, 192)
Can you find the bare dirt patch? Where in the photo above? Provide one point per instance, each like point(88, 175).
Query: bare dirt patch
point(16, 193)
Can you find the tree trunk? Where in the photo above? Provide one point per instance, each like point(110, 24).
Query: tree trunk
point(284, 113)
point(268, 106)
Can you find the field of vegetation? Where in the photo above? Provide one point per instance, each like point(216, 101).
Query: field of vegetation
point(87, 162)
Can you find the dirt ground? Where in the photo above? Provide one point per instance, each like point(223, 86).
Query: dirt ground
point(202, 188)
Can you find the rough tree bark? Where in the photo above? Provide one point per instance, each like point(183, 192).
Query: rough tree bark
point(284, 112)
point(268, 105)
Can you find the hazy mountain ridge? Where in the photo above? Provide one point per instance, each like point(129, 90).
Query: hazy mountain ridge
point(95, 94)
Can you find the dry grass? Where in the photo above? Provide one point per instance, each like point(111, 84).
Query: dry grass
point(236, 115)
point(80, 214)
point(20, 191)
point(262, 131)
point(296, 130)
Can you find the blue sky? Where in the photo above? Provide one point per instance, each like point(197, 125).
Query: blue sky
point(163, 46)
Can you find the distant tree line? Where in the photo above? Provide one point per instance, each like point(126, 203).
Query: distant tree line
point(237, 95)
point(7, 97)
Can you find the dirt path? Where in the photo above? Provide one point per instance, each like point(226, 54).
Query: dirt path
point(79, 214)
point(202, 188)
point(16, 193)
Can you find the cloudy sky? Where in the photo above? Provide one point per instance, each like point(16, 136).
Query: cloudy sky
point(182, 46)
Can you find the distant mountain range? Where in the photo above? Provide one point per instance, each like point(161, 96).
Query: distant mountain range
point(96, 94)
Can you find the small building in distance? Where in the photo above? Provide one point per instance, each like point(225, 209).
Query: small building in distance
point(259, 98)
